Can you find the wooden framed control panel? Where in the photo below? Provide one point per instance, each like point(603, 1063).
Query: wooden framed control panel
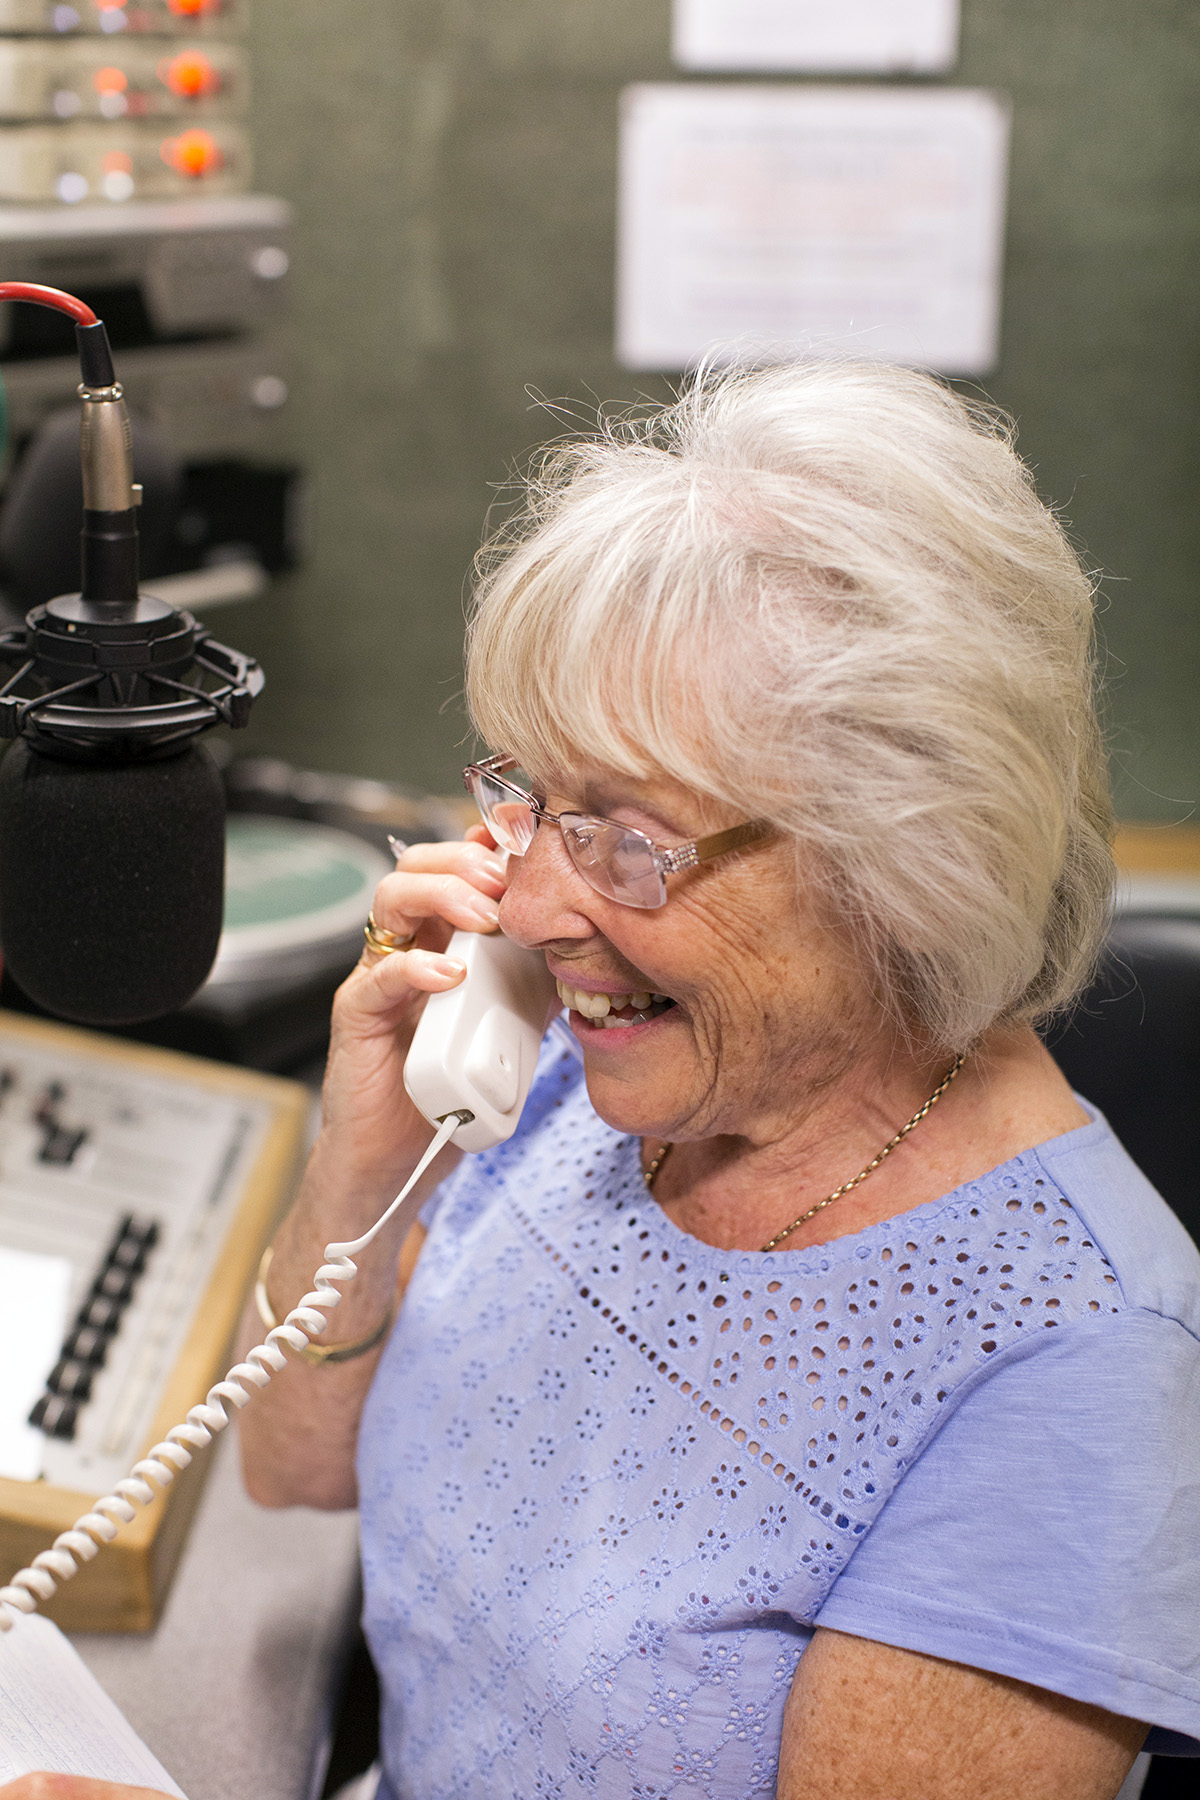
point(159, 1177)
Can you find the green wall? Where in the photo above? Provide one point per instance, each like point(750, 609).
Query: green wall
point(453, 167)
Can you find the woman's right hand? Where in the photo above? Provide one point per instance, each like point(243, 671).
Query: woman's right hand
point(368, 1120)
point(298, 1439)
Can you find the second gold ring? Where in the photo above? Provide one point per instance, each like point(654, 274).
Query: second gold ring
point(385, 942)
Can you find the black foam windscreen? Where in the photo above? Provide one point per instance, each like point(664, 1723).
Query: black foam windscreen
point(40, 512)
point(111, 881)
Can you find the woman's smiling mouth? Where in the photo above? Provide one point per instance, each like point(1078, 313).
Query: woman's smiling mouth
point(606, 1011)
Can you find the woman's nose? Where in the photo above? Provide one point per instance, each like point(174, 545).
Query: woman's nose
point(546, 895)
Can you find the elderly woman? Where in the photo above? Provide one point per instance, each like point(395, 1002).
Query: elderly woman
point(803, 1402)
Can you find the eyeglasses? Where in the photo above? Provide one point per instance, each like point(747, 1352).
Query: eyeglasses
point(616, 860)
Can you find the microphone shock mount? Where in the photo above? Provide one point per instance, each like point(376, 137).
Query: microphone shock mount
point(111, 672)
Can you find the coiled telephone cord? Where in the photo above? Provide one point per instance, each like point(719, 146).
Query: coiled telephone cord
point(307, 1320)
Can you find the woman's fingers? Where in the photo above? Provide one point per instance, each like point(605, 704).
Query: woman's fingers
point(459, 885)
point(435, 890)
point(381, 994)
point(428, 971)
point(479, 863)
point(404, 902)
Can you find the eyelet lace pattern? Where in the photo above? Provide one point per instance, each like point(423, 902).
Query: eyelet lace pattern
point(610, 1474)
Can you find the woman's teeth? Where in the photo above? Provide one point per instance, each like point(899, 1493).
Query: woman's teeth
point(604, 1009)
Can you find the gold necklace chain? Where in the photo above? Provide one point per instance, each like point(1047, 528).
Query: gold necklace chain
point(657, 1162)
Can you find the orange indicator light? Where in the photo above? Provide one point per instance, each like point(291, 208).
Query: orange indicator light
point(190, 75)
point(191, 9)
point(110, 81)
point(191, 153)
point(118, 162)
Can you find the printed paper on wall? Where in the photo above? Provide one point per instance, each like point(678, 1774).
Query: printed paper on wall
point(793, 218)
point(833, 35)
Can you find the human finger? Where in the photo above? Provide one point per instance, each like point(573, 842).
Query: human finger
point(481, 864)
point(399, 974)
point(404, 902)
point(384, 993)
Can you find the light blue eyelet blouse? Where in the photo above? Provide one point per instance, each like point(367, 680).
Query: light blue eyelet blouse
point(611, 1477)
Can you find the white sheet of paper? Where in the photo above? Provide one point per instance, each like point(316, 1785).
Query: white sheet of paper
point(830, 35)
point(33, 1317)
point(773, 218)
point(54, 1715)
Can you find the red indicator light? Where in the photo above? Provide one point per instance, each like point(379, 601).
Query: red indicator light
point(191, 9)
point(189, 75)
point(192, 153)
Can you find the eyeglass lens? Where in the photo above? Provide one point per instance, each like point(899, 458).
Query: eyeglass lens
point(618, 863)
point(509, 818)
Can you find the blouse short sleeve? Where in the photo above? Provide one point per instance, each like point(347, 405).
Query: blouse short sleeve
point(1050, 1531)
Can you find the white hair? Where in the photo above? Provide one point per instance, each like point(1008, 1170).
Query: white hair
point(827, 595)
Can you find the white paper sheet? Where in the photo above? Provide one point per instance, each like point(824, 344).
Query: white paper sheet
point(786, 218)
point(33, 1317)
point(830, 35)
point(54, 1715)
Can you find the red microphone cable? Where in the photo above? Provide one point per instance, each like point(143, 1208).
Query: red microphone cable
point(95, 357)
point(48, 296)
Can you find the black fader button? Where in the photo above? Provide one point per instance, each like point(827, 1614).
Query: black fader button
point(114, 1284)
point(55, 1416)
point(86, 1344)
point(128, 1254)
point(72, 1380)
point(100, 1314)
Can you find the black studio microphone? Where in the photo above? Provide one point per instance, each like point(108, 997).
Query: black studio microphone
point(112, 815)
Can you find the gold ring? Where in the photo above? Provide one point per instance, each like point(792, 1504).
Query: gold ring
point(384, 942)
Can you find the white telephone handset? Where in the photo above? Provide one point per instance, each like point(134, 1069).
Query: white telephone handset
point(476, 1046)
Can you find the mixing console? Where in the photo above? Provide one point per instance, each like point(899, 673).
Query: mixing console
point(158, 1178)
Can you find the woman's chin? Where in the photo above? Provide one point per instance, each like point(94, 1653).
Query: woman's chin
point(637, 1073)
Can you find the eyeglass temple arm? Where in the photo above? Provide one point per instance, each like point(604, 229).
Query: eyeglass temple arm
point(734, 839)
point(497, 764)
point(737, 836)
